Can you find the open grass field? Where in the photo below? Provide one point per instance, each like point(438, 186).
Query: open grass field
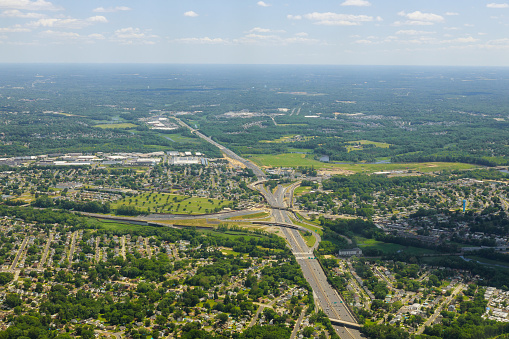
point(117, 226)
point(258, 215)
point(300, 150)
point(172, 203)
point(285, 160)
point(364, 244)
point(302, 190)
point(120, 125)
point(295, 160)
point(310, 239)
point(233, 234)
point(309, 227)
point(177, 137)
point(366, 142)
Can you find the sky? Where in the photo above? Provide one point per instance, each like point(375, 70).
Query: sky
point(344, 32)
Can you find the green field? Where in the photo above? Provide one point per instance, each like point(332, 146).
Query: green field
point(366, 142)
point(177, 137)
point(302, 190)
point(117, 226)
point(364, 244)
point(310, 239)
point(120, 125)
point(172, 203)
point(286, 160)
point(309, 227)
point(258, 215)
point(295, 160)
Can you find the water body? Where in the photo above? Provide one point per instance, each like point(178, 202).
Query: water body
point(505, 171)
point(168, 138)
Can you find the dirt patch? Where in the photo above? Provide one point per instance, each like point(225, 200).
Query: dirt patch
point(234, 163)
point(335, 171)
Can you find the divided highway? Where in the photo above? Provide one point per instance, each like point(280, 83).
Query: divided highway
point(324, 294)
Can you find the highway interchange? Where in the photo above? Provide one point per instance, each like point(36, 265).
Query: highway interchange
point(325, 295)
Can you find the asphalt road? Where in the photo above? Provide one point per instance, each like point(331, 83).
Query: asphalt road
point(325, 296)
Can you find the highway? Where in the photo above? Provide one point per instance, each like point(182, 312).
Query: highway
point(325, 295)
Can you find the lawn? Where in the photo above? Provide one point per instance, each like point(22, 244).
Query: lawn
point(177, 137)
point(258, 215)
point(286, 160)
point(120, 125)
point(302, 190)
point(296, 159)
point(232, 234)
point(366, 142)
point(172, 203)
point(117, 226)
point(309, 227)
point(310, 239)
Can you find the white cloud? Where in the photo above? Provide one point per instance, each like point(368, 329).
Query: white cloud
point(96, 36)
point(38, 5)
point(263, 4)
point(131, 36)
point(59, 34)
point(303, 34)
point(419, 18)
point(191, 14)
point(294, 17)
point(460, 40)
point(360, 3)
point(203, 41)
point(97, 18)
point(69, 23)
point(14, 29)
point(259, 30)
point(413, 32)
point(495, 5)
point(364, 42)
point(264, 30)
point(451, 13)
point(336, 19)
point(504, 41)
point(111, 9)
point(14, 13)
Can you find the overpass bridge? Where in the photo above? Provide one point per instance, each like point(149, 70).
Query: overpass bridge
point(345, 323)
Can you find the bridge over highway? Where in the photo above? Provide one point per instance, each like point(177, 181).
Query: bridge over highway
point(345, 323)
